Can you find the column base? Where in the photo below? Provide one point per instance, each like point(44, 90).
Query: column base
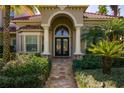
point(46, 54)
point(78, 56)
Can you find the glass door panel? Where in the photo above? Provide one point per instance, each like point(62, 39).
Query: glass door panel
point(58, 46)
point(61, 47)
point(65, 46)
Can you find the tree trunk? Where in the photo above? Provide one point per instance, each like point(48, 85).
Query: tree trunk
point(6, 35)
point(106, 64)
point(114, 9)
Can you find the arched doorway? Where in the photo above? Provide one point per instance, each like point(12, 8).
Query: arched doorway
point(62, 33)
point(62, 41)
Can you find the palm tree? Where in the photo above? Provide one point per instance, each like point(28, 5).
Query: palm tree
point(102, 9)
point(115, 9)
point(93, 34)
point(6, 34)
point(108, 50)
point(114, 29)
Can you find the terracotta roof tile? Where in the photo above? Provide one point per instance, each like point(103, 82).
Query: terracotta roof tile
point(97, 16)
point(85, 15)
point(31, 27)
point(25, 17)
point(12, 29)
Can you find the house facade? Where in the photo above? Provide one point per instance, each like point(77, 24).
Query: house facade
point(56, 32)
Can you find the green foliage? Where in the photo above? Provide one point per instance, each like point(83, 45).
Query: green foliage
point(114, 29)
point(102, 9)
point(24, 71)
point(1, 63)
point(118, 62)
point(91, 61)
point(95, 79)
point(26, 81)
point(87, 62)
point(93, 34)
point(107, 48)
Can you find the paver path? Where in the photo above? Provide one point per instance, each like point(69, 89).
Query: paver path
point(61, 74)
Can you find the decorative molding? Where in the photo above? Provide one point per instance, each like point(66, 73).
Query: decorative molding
point(62, 7)
point(30, 30)
point(62, 12)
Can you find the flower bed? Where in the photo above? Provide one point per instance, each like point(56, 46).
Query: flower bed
point(95, 79)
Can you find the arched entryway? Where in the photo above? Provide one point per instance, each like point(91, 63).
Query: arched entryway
point(62, 41)
point(62, 35)
point(62, 45)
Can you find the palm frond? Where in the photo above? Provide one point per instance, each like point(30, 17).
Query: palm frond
point(107, 48)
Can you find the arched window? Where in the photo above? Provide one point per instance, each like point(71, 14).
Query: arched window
point(62, 31)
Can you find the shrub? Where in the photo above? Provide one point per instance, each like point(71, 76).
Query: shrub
point(1, 63)
point(95, 79)
point(87, 62)
point(26, 71)
point(21, 82)
point(92, 61)
point(118, 62)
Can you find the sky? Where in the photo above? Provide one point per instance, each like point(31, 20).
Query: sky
point(94, 9)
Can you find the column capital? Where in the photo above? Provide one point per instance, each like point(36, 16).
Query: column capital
point(45, 26)
point(79, 25)
point(78, 28)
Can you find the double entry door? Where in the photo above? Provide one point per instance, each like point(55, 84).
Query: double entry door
point(61, 46)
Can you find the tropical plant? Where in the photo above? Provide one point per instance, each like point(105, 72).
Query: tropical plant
point(115, 9)
point(6, 34)
point(102, 9)
point(114, 29)
point(93, 34)
point(108, 50)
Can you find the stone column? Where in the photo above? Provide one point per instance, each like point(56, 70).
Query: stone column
point(46, 41)
point(38, 43)
point(17, 42)
point(24, 44)
point(1, 14)
point(78, 42)
point(19, 46)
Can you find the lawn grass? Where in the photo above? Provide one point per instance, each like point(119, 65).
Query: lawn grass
point(94, 78)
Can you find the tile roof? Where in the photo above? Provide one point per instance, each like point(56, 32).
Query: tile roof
point(85, 15)
point(97, 16)
point(25, 17)
point(12, 29)
point(31, 27)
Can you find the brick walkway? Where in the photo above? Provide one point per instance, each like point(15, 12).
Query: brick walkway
point(61, 74)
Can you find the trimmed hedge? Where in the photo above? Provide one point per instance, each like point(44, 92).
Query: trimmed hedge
point(118, 62)
point(87, 62)
point(27, 71)
point(28, 81)
point(94, 62)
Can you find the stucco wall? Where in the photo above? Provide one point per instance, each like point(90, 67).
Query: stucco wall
point(46, 14)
